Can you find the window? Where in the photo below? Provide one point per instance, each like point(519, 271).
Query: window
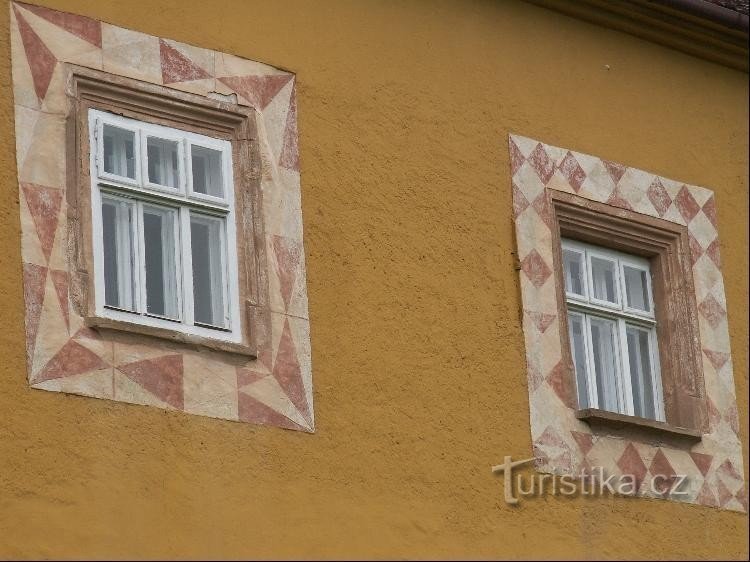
point(163, 223)
point(612, 328)
point(630, 339)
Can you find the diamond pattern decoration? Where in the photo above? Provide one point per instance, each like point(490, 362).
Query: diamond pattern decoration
point(572, 171)
point(34, 280)
point(541, 163)
point(717, 358)
point(555, 380)
point(541, 320)
point(41, 60)
point(535, 268)
point(176, 67)
point(520, 203)
point(662, 471)
point(550, 448)
point(686, 204)
point(585, 441)
point(533, 172)
point(60, 280)
point(615, 170)
point(714, 253)
point(702, 461)
point(44, 206)
point(712, 311)
point(258, 90)
point(630, 462)
point(289, 158)
point(162, 377)
point(288, 256)
point(659, 197)
point(516, 157)
point(72, 359)
point(148, 373)
point(709, 209)
point(80, 26)
point(286, 370)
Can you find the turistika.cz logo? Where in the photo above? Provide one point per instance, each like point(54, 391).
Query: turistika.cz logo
point(594, 482)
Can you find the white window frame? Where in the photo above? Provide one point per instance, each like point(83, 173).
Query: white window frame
point(588, 307)
point(143, 192)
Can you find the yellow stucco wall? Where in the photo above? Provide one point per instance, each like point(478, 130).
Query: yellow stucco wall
point(418, 360)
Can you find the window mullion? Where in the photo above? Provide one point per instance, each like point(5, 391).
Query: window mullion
point(140, 260)
point(656, 376)
point(590, 372)
point(624, 380)
point(187, 267)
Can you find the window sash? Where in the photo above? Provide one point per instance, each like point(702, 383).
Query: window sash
point(584, 308)
point(141, 193)
point(621, 385)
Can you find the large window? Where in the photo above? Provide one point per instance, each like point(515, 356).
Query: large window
point(612, 327)
point(163, 227)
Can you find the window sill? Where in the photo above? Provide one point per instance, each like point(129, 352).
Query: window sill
point(98, 323)
point(602, 418)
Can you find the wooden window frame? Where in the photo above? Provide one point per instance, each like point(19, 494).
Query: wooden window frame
point(587, 307)
point(666, 246)
point(92, 89)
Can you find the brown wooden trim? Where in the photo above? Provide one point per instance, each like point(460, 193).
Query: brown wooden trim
point(614, 420)
point(666, 245)
point(92, 89)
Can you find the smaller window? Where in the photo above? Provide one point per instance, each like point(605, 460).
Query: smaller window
point(612, 329)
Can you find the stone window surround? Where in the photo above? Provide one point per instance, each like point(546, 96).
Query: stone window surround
point(666, 246)
point(570, 441)
point(270, 381)
point(92, 89)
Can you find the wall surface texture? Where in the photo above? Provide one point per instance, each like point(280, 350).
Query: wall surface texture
point(417, 343)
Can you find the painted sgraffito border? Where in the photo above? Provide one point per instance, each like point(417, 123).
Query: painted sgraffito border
point(66, 356)
point(564, 444)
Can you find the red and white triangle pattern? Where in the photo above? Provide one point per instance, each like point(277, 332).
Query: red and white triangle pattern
point(562, 443)
point(65, 356)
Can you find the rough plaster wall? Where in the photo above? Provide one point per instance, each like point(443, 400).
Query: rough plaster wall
point(417, 345)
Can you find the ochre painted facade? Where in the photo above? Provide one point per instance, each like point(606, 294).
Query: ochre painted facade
point(417, 346)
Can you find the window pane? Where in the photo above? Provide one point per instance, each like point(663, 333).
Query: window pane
point(641, 372)
point(636, 288)
point(159, 256)
point(604, 280)
point(574, 269)
point(207, 174)
point(119, 151)
point(578, 351)
point(163, 162)
point(117, 231)
point(208, 270)
point(604, 352)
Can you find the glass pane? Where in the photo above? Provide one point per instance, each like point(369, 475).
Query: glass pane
point(119, 151)
point(604, 352)
point(208, 270)
point(163, 162)
point(641, 372)
point(604, 279)
point(159, 256)
point(207, 175)
point(117, 231)
point(636, 288)
point(573, 265)
point(578, 351)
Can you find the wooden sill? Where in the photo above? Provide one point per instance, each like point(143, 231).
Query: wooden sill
point(621, 421)
point(200, 342)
